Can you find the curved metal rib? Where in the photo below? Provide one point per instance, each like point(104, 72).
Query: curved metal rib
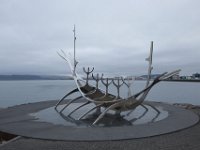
point(73, 91)
point(79, 108)
point(104, 112)
point(99, 105)
point(71, 101)
point(146, 109)
point(142, 115)
point(69, 119)
point(158, 112)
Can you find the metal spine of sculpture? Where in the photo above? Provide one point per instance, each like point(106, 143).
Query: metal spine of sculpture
point(101, 98)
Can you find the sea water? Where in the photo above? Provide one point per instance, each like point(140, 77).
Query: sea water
point(29, 91)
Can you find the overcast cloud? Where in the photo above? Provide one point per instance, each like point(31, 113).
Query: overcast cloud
point(112, 35)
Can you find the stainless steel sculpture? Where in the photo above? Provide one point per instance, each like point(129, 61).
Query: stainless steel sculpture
point(103, 99)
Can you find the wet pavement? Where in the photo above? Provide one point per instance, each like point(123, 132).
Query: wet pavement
point(186, 139)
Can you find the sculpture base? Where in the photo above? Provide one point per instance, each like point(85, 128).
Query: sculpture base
point(40, 120)
point(140, 115)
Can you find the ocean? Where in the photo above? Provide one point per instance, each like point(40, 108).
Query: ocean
point(29, 91)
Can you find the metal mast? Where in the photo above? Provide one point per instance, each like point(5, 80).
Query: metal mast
point(149, 59)
point(75, 63)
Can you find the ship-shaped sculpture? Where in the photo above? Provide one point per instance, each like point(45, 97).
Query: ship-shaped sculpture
point(102, 98)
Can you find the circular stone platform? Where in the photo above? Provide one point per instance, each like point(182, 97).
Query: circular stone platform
point(40, 120)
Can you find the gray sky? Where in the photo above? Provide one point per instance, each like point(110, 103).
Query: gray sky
point(112, 35)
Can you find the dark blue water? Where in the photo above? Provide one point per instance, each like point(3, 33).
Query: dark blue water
point(20, 92)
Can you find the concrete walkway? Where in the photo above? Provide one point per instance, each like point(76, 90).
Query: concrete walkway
point(187, 139)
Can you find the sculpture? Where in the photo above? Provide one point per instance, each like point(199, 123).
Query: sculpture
point(101, 98)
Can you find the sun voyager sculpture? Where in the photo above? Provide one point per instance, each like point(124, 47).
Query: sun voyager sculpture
point(101, 98)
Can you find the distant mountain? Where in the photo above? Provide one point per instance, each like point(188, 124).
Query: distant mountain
point(34, 77)
point(55, 77)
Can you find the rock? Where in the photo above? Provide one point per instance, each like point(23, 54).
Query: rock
point(186, 105)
